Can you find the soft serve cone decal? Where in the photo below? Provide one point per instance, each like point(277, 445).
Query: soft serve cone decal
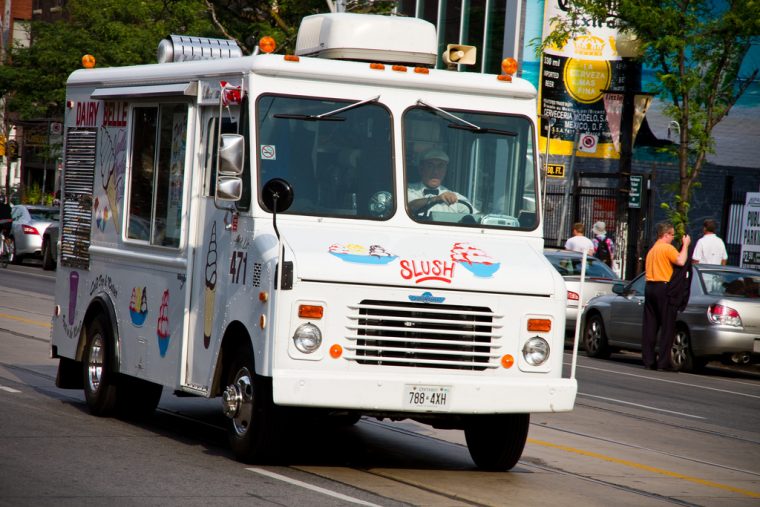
point(210, 289)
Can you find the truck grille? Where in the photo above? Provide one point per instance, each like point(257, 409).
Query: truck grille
point(421, 335)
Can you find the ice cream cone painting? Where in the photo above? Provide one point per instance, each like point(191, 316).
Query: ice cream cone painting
point(210, 288)
point(162, 326)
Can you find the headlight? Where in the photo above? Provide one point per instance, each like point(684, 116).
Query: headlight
point(536, 351)
point(307, 338)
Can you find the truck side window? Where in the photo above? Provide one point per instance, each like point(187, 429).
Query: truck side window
point(158, 172)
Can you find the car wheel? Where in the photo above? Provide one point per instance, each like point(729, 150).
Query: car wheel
point(14, 258)
point(496, 441)
point(48, 263)
point(99, 376)
point(252, 422)
point(595, 338)
point(682, 354)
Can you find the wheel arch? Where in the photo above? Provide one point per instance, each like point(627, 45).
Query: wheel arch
point(101, 305)
point(235, 335)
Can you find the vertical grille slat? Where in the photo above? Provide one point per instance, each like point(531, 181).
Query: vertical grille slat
point(78, 181)
point(419, 335)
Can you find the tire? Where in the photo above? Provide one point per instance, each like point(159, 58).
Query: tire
point(595, 338)
point(496, 442)
point(48, 262)
point(252, 427)
point(100, 390)
point(13, 258)
point(682, 354)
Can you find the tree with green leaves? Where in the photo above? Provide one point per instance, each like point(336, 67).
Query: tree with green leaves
point(696, 48)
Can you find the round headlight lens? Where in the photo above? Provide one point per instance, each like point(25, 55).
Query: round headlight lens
point(536, 351)
point(307, 338)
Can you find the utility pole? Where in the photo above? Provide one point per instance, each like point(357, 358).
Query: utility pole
point(6, 38)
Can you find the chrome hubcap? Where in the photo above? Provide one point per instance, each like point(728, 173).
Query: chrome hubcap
point(95, 363)
point(237, 401)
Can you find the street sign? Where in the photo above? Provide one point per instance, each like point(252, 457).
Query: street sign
point(555, 170)
point(634, 197)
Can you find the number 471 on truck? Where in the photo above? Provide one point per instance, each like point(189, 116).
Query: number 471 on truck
point(338, 233)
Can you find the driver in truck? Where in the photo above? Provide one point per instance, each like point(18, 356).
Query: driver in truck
point(429, 194)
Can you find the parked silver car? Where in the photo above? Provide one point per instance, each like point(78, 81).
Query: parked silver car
point(720, 321)
point(599, 280)
point(29, 223)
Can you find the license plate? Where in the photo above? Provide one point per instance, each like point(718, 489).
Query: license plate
point(424, 397)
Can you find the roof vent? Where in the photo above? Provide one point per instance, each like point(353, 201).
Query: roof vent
point(367, 37)
point(183, 48)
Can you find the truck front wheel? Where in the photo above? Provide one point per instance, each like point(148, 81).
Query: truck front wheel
point(99, 376)
point(247, 402)
point(496, 441)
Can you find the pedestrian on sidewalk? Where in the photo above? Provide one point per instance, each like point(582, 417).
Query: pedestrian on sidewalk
point(710, 248)
point(578, 242)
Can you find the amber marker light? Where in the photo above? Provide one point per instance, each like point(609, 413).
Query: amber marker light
point(267, 44)
point(507, 361)
point(539, 325)
point(421, 70)
point(336, 351)
point(292, 58)
point(509, 66)
point(310, 311)
point(263, 321)
point(504, 77)
point(88, 61)
point(377, 66)
point(263, 296)
point(399, 68)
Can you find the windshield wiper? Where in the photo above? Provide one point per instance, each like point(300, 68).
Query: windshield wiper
point(465, 124)
point(328, 116)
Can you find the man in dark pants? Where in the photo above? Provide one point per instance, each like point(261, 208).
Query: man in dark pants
point(659, 310)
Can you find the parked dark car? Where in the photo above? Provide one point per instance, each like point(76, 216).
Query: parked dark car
point(720, 321)
point(599, 280)
point(50, 246)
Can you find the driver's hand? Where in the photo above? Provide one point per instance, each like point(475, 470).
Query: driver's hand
point(448, 197)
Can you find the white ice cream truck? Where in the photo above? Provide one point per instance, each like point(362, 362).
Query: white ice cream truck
point(240, 227)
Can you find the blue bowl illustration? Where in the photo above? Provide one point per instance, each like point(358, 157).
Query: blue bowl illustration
point(163, 344)
point(137, 318)
point(365, 259)
point(481, 269)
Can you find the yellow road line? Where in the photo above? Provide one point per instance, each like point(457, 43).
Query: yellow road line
point(661, 471)
point(25, 321)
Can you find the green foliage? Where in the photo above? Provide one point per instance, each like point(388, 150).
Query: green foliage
point(697, 53)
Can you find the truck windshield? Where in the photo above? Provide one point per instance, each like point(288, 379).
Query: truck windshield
point(469, 168)
point(339, 165)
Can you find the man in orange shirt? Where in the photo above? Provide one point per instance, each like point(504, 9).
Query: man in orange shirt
point(659, 312)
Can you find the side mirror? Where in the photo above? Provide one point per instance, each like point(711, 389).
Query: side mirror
point(229, 188)
point(231, 154)
point(277, 195)
point(618, 288)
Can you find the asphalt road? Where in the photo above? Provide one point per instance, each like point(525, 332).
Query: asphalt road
point(635, 438)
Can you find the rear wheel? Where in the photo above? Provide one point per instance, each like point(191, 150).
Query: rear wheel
point(99, 377)
point(252, 416)
point(595, 338)
point(496, 441)
point(682, 353)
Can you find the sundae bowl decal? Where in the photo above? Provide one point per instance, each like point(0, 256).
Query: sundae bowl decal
point(352, 252)
point(138, 306)
point(162, 327)
point(475, 260)
point(210, 288)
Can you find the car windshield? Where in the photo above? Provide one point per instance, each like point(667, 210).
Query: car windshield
point(50, 215)
point(337, 155)
point(731, 283)
point(486, 160)
point(570, 265)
